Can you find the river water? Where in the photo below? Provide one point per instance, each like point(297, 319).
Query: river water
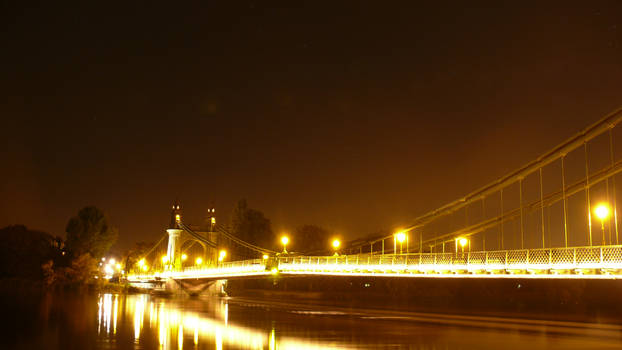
point(141, 321)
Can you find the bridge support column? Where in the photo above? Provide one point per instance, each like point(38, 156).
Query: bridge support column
point(174, 258)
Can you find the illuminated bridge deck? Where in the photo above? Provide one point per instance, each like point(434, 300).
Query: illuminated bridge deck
point(604, 262)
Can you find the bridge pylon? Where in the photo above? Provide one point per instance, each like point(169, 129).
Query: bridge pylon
point(174, 232)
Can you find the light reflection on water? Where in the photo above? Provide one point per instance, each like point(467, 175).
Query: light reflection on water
point(109, 321)
point(178, 328)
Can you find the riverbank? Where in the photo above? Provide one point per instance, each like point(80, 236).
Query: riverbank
point(20, 286)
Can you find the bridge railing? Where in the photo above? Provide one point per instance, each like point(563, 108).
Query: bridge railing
point(588, 260)
point(600, 257)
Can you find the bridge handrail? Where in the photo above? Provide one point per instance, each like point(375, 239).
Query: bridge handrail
point(506, 261)
point(572, 257)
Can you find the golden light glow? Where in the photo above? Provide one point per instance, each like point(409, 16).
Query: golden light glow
point(118, 266)
point(112, 261)
point(336, 243)
point(177, 217)
point(141, 262)
point(557, 263)
point(265, 256)
point(164, 259)
point(284, 240)
point(213, 220)
point(184, 257)
point(165, 325)
point(602, 211)
point(221, 255)
point(199, 261)
point(145, 268)
point(400, 236)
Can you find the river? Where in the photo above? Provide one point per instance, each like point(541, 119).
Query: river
point(142, 321)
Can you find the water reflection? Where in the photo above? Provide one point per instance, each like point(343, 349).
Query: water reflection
point(108, 321)
point(176, 327)
point(107, 310)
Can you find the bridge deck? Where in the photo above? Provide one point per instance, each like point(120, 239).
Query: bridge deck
point(602, 262)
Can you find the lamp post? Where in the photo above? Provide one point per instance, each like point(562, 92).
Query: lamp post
point(462, 241)
point(221, 255)
point(284, 242)
point(336, 244)
point(401, 237)
point(602, 212)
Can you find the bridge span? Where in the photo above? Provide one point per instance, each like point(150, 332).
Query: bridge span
point(554, 218)
point(596, 262)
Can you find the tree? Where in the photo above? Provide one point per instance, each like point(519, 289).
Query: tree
point(132, 256)
point(311, 238)
point(23, 251)
point(81, 270)
point(89, 232)
point(252, 226)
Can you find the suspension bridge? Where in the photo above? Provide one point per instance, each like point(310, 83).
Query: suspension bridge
point(554, 218)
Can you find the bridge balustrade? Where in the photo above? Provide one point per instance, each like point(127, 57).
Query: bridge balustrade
point(548, 261)
point(545, 260)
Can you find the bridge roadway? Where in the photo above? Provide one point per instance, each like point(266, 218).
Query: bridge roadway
point(597, 262)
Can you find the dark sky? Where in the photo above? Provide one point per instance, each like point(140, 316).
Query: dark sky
point(356, 116)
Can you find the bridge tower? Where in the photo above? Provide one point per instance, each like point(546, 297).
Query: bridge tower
point(174, 231)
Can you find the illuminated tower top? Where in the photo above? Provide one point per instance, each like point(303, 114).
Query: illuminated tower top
point(175, 215)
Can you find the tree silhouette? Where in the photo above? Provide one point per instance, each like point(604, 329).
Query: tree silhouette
point(252, 226)
point(89, 232)
point(311, 239)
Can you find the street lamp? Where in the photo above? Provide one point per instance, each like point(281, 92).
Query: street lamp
point(336, 244)
point(221, 255)
point(462, 241)
point(265, 257)
point(400, 237)
point(184, 257)
point(284, 241)
point(199, 261)
point(602, 212)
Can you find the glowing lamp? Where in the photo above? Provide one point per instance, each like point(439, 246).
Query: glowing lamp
point(601, 211)
point(400, 236)
point(336, 243)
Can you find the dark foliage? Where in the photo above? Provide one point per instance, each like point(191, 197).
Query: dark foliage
point(252, 226)
point(311, 239)
point(89, 232)
point(23, 251)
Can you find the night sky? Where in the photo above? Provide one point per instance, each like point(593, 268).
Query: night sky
point(355, 116)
